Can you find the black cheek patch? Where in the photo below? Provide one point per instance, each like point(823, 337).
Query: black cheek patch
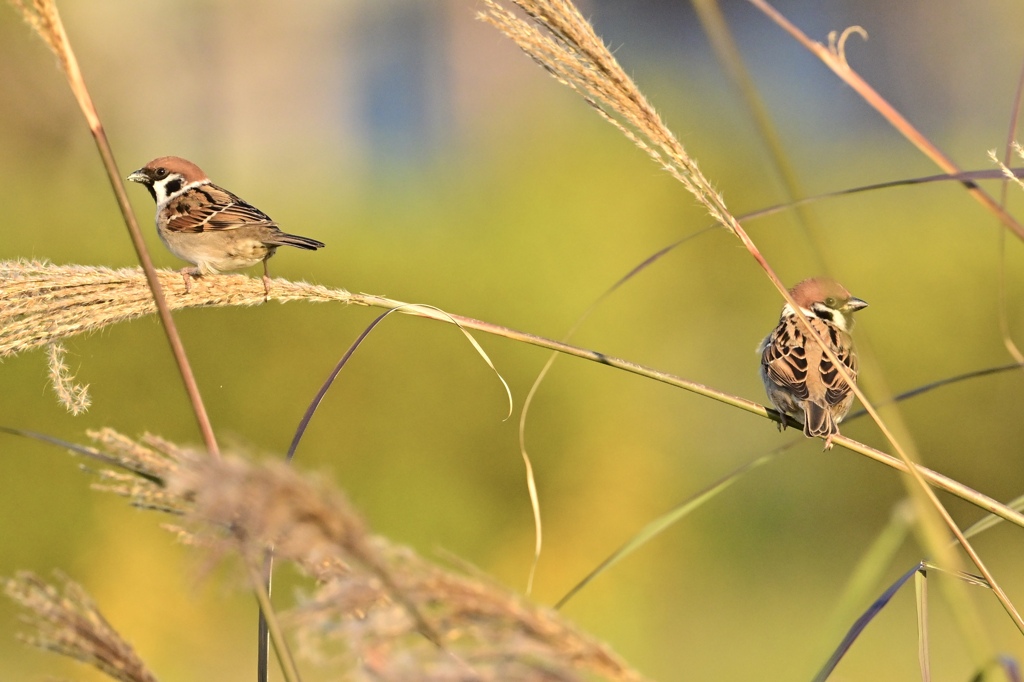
point(173, 186)
point(823, 313)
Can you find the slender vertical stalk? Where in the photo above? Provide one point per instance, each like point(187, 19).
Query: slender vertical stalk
point(45, 19)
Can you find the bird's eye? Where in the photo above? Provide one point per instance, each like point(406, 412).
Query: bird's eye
point(161, 172)
point(830, 302)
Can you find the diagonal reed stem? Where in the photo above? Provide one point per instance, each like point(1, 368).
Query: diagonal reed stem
point(44, 18)
point(836, 61)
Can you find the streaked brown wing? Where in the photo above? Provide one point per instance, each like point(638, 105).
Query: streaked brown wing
point(836, 389)
point(786, 362)
point(209, 207)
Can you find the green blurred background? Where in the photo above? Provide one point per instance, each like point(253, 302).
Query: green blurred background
point(442, 166)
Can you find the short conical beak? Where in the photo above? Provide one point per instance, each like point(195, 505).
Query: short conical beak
point(856, 304)
point(138, 176)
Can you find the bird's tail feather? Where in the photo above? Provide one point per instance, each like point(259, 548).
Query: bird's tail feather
point(818, 421)
point(297, 241)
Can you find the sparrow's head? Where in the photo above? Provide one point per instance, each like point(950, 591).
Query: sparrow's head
point(167, 176)
point(826, 299)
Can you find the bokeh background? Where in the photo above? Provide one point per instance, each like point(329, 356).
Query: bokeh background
point(441, 166)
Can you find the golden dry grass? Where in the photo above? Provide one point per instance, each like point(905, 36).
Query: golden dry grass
point(42, 303)
point(67, 621)
point(373, 597)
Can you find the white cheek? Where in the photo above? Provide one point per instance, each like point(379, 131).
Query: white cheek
point(787, 311)
point(160, 189)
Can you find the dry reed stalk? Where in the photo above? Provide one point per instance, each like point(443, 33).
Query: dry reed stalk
point(44, 18)
point(67, 622)
point(374, 596)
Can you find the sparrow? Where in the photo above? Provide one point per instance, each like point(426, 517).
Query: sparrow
point(207, 225)
point(799, 378)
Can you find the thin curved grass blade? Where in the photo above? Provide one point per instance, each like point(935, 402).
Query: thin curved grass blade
point(318, 398)
point(663, 522)
point(921, 592)
point(920, 390)
point(862, 622)
point(967, 178)
point(265, 624)
point(84, 450)
point(315, 403)
point(881, 602)
point(538, 526)
point(472, 340)
point(990, 520)
point(530, 482)
point(877, 560)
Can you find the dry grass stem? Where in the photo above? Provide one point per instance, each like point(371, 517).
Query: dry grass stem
point(67, 622)
point(45, 20)
point(374, 598)
point(259, 582)
point(74, 397)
